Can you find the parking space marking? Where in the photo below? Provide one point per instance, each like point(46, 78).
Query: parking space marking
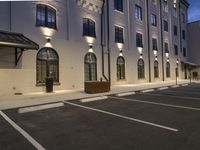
point(40, 107)
point(174, 86)
point(93, 99)
point(21, 131)
point(123, 117)
point(155, 103)
point(125, 94)
point(163, 88)
point(146, 91)
point(184, 84)
point(185, 97)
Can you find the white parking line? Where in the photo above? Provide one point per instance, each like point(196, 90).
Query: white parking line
point(154, 103)
point(125, 94)
point(40, 107)
point(174, 86)
point(93, 99)
point(146, 91)
point(163, 88)
point(181, 97)
point(123, 117)
point(21, 131)
point(184, 84)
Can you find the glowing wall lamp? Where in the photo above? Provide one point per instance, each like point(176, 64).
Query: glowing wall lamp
point(48, 43)
point(120, 53)
point(91, 48)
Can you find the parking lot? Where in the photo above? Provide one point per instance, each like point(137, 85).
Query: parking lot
point(158, 119)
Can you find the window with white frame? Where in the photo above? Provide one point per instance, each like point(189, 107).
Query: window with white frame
point(89, 27)
point(46, 16)
point(138, 12)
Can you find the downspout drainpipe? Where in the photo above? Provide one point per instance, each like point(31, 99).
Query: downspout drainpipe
point(161, 33)
point(10, 16)
point(102, 43)
point(148, 32)
point(180, 25)
point(108, 40)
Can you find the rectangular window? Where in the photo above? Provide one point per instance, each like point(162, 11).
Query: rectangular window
point(119, 35)
point(165, 5)
point(89, 27)
point(183, 17)
point(165, 26)
point(139, 42)
point(166, 48)
point(153, 20)
point(138, 12)
point(183, 34)
point(175, 30)
point(184, 52)
point(176, 50)
point(46, 16)
point(154, 44)
point(118, 5)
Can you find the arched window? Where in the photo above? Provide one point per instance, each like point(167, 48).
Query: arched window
point(156, 69)
point(47, 65)
point(141, 72)
point(168, 70)
point(90, 67)
point(120, 68)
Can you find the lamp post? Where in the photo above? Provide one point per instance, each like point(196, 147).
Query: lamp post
point(177, 62)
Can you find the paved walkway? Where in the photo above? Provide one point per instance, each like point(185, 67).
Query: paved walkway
point(29, 99)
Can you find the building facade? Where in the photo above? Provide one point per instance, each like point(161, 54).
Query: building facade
point(193, 45)
point(122, 41)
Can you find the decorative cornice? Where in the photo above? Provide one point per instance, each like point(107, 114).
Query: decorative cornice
point(92, 5)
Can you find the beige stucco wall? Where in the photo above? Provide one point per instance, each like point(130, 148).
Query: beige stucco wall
point(71, 47)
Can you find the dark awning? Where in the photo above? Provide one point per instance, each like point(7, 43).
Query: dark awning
point(16, 40)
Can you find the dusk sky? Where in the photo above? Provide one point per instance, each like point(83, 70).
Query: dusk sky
point(194, 10)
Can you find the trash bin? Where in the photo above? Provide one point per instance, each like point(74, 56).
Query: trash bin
point(49, 85)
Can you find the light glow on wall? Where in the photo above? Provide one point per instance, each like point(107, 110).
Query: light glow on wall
point(89, 40)
point(120, 46)
point(47, 32)
point(140, 49)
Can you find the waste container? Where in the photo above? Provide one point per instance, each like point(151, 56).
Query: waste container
point(49, 85)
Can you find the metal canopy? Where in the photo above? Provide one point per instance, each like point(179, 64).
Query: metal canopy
point(190, 63)
point(16, 40)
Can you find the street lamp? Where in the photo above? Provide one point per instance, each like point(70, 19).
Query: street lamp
point(177, 62)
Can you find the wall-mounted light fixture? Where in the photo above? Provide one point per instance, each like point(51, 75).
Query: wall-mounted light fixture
point(156, 58)
point(120, 53)
point(177, 61)
point(168, 59)
point(91, 48)
point(48, 43)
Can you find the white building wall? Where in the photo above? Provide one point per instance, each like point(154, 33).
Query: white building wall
point(71, 46)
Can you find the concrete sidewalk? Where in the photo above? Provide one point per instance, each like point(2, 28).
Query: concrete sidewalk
point(29, 99)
